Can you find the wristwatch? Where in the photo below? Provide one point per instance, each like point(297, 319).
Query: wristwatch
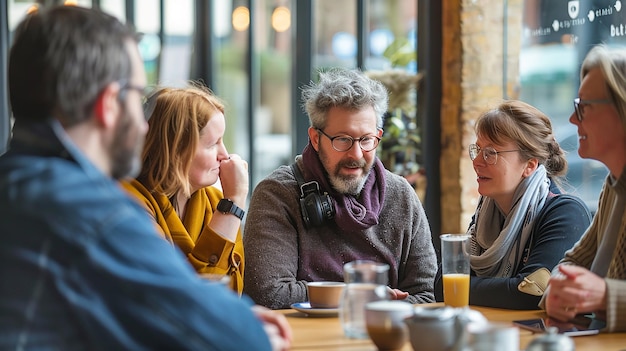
point(226, 206)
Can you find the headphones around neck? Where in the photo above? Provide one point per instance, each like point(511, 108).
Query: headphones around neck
point(315, 207)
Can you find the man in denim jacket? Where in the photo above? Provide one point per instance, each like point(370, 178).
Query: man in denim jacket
point(81, 265)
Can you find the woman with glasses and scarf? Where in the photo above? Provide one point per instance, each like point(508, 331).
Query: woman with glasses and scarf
point(592, 275)
point(523, 222)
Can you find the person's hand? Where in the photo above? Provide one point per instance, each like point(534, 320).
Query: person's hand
point(575, 290)
point(396, 294)
point(234, 179)
point(276, 327)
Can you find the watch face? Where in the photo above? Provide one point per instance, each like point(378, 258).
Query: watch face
point(226, 206)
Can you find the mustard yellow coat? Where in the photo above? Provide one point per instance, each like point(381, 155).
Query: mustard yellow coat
point(207, 251)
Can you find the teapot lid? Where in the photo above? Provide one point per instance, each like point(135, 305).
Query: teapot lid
point(434, 313)
point(550, 341)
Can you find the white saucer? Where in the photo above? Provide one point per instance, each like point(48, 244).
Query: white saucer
point(305, 307)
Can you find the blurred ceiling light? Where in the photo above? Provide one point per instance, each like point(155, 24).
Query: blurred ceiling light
point(70, 3)
point(241, 18)
point(281, 19)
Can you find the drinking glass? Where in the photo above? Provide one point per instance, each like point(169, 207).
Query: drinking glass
point(455, 265)
point(366, 281)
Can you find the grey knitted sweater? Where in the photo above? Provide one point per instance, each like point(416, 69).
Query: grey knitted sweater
point(282, 255)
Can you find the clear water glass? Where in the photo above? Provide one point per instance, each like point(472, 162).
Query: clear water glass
point(366, 281)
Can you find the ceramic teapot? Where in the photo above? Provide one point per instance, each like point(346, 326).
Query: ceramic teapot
point(552, 341)
point(440, 328)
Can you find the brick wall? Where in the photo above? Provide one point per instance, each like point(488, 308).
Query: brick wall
point(479, 69)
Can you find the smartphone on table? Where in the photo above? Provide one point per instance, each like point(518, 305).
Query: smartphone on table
point(580, 325)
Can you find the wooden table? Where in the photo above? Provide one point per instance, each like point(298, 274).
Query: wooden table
point(325, 333)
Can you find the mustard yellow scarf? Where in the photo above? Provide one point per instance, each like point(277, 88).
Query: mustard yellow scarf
point(207, 251)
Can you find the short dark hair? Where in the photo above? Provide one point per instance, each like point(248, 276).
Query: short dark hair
point(62, 58)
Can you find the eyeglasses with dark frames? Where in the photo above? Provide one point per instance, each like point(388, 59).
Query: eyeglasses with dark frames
point(344, 143)
point(579, 106)
point(146, 93)
point(490, 155)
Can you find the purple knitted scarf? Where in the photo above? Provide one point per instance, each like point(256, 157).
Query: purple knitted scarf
point(351, 213)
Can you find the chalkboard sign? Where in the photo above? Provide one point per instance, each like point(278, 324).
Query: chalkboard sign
point(556, 36)
point(576, 22)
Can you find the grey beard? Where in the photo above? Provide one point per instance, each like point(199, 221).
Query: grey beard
point(348, 186)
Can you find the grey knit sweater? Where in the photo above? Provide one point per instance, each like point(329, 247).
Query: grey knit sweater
point(282, 255)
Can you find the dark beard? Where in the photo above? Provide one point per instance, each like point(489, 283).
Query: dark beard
point(126, 161)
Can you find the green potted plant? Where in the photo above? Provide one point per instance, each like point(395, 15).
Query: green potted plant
point(400, 149)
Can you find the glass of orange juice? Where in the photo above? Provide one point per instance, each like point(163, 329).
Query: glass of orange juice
point(455, 266)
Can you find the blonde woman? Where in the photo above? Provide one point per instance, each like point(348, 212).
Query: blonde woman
point(592, 275)
point(184, 156)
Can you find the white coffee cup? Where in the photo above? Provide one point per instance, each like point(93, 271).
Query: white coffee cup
point(325, 294)
point(492, 337)
point(385, 323)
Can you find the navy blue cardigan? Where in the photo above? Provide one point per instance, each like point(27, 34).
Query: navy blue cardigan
point(559, 225)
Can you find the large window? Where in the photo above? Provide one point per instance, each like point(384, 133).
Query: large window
point(252, 54)
point(335, 41)
point(254, 77)
point(556, 36)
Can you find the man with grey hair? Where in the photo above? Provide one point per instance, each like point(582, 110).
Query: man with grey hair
point(336, 204)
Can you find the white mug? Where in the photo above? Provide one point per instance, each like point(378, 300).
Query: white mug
point(492, 337)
